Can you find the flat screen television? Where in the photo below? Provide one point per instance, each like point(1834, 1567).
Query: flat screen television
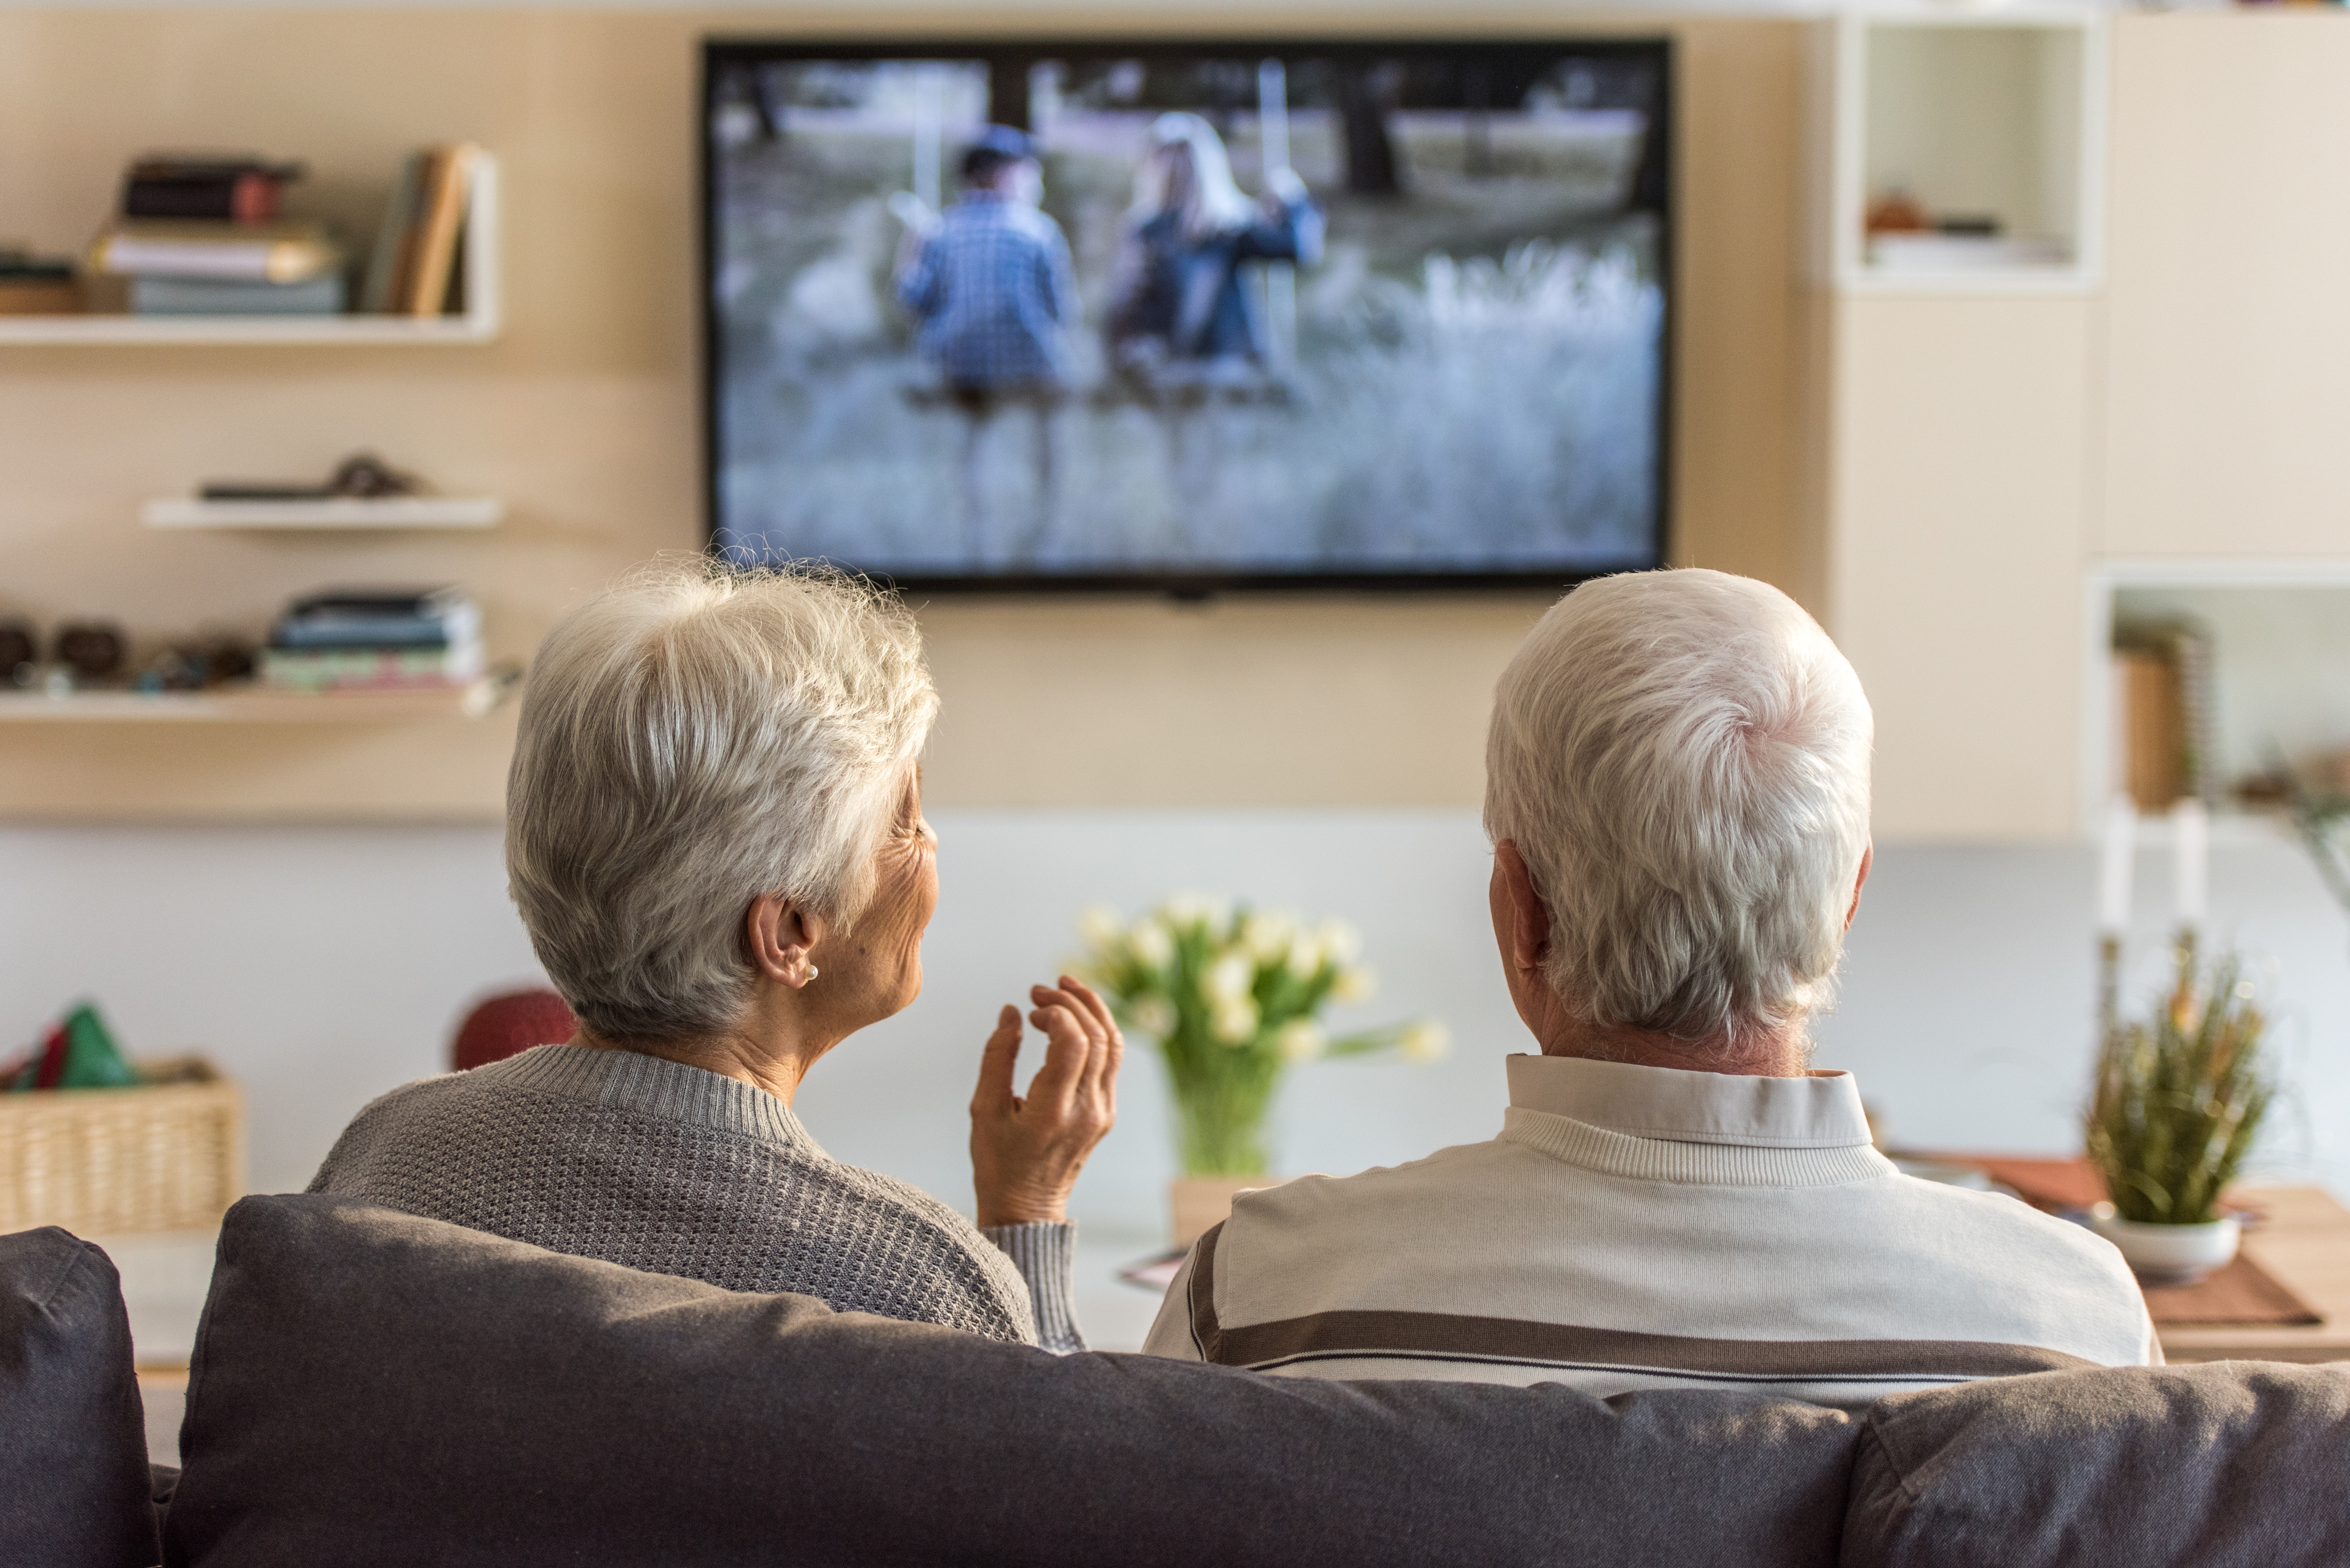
point(1187, 314)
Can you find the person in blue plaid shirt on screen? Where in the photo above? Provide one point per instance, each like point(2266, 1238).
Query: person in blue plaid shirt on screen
point(991, 285)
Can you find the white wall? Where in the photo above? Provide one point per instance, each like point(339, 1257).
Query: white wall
point(321, 966)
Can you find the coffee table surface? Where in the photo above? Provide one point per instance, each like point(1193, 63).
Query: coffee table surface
point(2305, 1244)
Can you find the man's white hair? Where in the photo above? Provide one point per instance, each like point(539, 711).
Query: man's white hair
point(1682, 760)
point(692, 740)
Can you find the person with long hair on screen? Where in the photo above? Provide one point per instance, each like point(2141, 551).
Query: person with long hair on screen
point(1183, 331)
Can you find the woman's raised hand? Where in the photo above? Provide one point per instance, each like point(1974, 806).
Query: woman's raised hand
point(1025, 1153)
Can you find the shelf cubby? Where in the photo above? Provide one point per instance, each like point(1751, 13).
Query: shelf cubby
point(1993, 117)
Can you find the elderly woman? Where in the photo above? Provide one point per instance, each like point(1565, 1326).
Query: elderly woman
point(715, 839)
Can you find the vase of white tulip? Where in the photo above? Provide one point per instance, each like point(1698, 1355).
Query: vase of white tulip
point(1233, 997)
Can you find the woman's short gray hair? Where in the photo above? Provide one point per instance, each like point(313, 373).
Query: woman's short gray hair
point(1682, 760)
point(692, 740)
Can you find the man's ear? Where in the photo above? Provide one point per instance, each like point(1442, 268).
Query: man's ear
point(780, 936)
point(1867, 859)
point(1530, 930)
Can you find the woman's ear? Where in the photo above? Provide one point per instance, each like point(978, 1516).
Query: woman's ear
point(781, 937)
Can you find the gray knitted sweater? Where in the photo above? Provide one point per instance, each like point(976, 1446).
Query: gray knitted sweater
point(675, 1170)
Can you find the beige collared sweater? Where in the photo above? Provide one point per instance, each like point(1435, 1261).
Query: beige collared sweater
point(1637, 1228)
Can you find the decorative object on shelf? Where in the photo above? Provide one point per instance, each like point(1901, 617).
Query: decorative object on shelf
point(2162, 686)
point(37, 285)
point(1896, 212)
point(2321, 820)
point(20, 646)
point(362, 474)
point(198, 665)
point(219, 187)
point(92, 650)
point(2177, 1104)
point(1233, 997)
point(376, 639)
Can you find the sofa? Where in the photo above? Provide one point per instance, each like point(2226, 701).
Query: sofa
point(371, 1387)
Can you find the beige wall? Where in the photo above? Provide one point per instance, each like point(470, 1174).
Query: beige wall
point(584, 416)
point(1960, 500)
point(2228, 359)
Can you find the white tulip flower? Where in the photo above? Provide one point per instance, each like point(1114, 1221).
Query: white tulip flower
point(1229, 978)
point(1426, 1041)
point(1101, 928)
point(1355, 983)
point(1305, 956)
point(1151, 943)
point(1299, 1040)
point(1196, 910)
point(1235, 1023)
point(1267, 933)
point(1153, 1015)
point(1340, 940)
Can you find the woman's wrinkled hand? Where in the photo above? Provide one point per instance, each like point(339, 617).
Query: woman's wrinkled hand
point(1025, 1153)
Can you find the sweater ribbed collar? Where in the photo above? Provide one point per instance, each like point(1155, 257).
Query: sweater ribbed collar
point(1665, 1124)
point(653, 1087)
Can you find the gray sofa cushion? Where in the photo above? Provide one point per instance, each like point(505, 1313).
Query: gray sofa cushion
point(73, 1441)
point(373, 1387)
point(2155, 1467)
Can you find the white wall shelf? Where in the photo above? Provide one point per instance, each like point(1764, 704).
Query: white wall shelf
point(480, 322)
point(257, 706)
point(1998, 114)
point(336, 513)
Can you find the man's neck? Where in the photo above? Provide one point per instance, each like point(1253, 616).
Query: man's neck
point(1783, 1054)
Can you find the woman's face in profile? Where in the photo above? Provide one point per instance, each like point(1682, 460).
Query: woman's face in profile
point(887, 941)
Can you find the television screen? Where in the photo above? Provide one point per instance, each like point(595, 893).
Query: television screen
point(1162, 315)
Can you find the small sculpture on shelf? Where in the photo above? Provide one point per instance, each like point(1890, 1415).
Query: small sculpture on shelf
point(362, 475)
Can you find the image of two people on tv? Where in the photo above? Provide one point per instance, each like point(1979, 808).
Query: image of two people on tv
point(1188, 315)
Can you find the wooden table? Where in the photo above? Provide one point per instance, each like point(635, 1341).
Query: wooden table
point(2305, 1244)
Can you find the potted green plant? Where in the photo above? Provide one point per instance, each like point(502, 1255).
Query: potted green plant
point(2178, 1099)
point(1233, 997)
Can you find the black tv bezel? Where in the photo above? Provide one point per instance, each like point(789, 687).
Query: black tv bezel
point(722, 51)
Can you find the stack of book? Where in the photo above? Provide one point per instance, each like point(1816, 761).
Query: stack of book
point(376, 639)
point(202, 234)
point(414, 270)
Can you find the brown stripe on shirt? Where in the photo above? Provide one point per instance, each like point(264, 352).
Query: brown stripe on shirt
point(1452, 1336)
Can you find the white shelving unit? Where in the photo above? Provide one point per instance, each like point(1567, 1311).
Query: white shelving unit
point(340, 511)
point(2280, 665)
point(1996, 114)
point(259, 706)
point(479, 323)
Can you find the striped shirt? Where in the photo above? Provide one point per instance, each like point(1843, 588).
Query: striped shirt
point(1642, 1227)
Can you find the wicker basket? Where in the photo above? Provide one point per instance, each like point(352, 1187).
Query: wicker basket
point(166, 1156)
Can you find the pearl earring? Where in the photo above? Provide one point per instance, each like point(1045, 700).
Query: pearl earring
point(813, 971)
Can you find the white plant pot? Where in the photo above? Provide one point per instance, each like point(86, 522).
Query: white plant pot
point(2168, 1254)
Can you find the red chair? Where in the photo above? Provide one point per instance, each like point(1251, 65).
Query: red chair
point(508, 1025)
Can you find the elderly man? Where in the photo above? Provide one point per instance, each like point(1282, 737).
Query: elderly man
point(1677, 792)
